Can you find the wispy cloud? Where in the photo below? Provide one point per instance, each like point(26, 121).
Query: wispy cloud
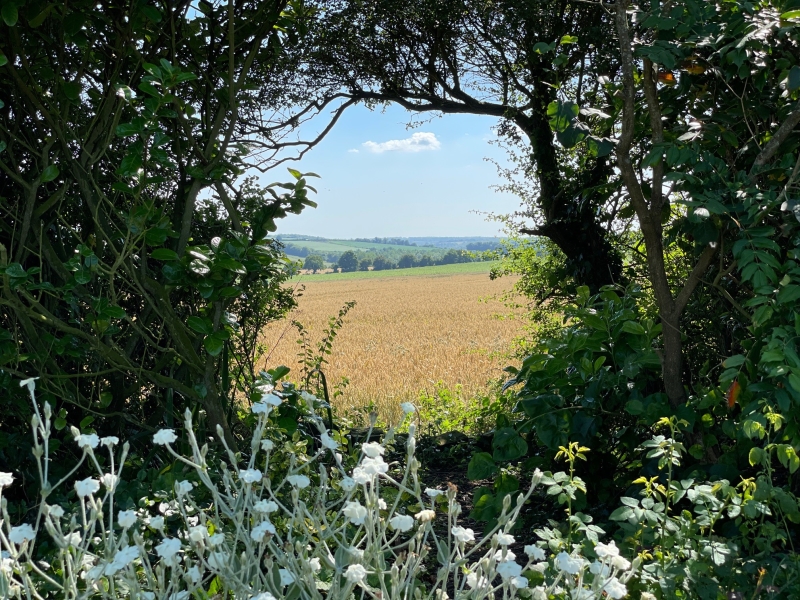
point(353, 150)
point(416, 143)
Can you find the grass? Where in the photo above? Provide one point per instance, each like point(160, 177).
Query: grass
point(434, 271)
point(342, 245)
point(410, 329)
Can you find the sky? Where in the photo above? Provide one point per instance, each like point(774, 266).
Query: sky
point(379, 178)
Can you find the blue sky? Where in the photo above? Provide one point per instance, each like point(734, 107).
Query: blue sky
point(379, 178)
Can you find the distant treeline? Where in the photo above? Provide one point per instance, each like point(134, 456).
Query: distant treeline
point(351, 261)
point(380, 240)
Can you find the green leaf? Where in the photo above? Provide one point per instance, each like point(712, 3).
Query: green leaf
point(481, 466)
point(72, 90)
point(542, 47)
point(599, 147)
point(213, 345)
point(508, 444)
point(569, 39)
point(572, 135)
point(633, 327)
point(50, 173)
point(164, 254)
point(733, 361)
point(9, 14)
point(115, 312)
point(3, 61)
point(200, 325)
point(562, 114)
point(231, 265)
point(755, 456)
point(794, 78)
point(152, 13)
point(791, 15)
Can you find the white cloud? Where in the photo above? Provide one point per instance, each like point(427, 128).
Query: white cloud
point(353, 150)
point(416, 143)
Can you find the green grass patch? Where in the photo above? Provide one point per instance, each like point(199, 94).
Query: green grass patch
point(435, 271)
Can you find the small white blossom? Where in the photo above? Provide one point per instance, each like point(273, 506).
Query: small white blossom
point(216, 539)
point(539, 593)
point(355, 512)
point(621, 563)
point(126, 518)
point(55, 511)
point(361, 477)
point(424, 516)
point(86, 487)
point(88, 440)
point(519, 582)
point(504, 539)
point(328, 442)
point(109, 441)
point(315, 565)
point(286, 577)
point(260, 408)
point(463, 535)
point(569, 564)
point(260, 531)
point(401, 522)
point(267, 445)
point(299, 481)
point(164, 437)
point(504, 555)
point(250, 475)
point(473, 582)
point(198, 533)
point(194, 574)
point(265, 506)
point(122, 559)
point(355, 573)
point(217, 560)
point(21, 533)
point(347, 484)
point(604, 550)
point(382, 504)
point(182, 488)
point(615, 589)
point(407, 408)
point(601, 569)
point(73, 539)
point(156, 522)
point(372, 449)
point(374, 466)
point(168, 548)
point(110, 481)
point(535, 552)
point(431, 493)
point(271, 399)
point(509, 569)
point(263, 596)
point(6, 479)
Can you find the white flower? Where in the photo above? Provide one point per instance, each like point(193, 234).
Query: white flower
point(73, 539)
point(539, 593)
point(86, 487)
point(263, 596)
point(373, 466)
point(89, 440)
point(194, 574)
point(424, 516)
point(648, 596)
point(182, 488)
point(250, 475)
point(55, 511)
point(621, 563)
point(382, 504)
point(156, 522)
point(6, 479)
point(315, 565)
point(109, 441)
point(499, 556)
point(601, 569)
point(604, 550)
point(164, 437)
point(347, 484)
point(216, 539)
point(261, 530)
point(355, 573)
point(126, 518)
point(519, 582)
point(299, 481)
point(361, 477)
point(509, 569)
point(568, 564)
point(21, 533)
point(504, 539)
point(473, 581)
point(271, 399)
point(328, 442)
point(168, 548)
point(286, 577)
point(431, 493)
point(401, 522)
point(407, 408)
point(265, 506)
point(261, 408)
point(535, 552)
point(197, 533)
point(355, 512)
point(540, 567)
point(463, 535)
point(581, 594)
point(267, 445)
point(122, 559)
point(217, 560)
point(372, 449)
point(615, 588)
point(110, 481)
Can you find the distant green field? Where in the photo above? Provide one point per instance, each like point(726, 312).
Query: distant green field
point(344, 245)
point(436, 271)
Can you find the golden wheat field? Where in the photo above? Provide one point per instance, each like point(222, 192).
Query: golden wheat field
point(404, 335)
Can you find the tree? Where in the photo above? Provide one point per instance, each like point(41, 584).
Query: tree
point(314, 262)
point(128, 233)
point(513, 60)
point(381, 263)
point(407, 261)
point(364, 264)
point(348, 261)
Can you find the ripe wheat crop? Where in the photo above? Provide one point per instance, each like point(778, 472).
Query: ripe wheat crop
point(404, 335)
